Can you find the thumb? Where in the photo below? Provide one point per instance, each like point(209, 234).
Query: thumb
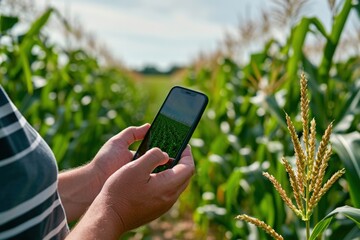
point(131, 134)
point(151, 159)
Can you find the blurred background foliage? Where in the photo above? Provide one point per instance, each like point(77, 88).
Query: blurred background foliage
point(73, 99)
point(77, 96)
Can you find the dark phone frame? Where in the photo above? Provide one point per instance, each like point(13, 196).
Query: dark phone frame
point(186, 140)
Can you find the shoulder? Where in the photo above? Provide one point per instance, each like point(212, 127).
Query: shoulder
point(30, 206)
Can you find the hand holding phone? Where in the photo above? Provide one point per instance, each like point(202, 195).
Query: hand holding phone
point(174, 124)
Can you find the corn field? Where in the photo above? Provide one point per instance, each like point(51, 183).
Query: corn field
point(76, 103)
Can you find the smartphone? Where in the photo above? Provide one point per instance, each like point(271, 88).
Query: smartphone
point(174, 124)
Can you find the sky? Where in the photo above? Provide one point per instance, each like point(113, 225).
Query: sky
point(158, 32)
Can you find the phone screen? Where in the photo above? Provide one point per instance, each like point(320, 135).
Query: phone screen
point(174, 124)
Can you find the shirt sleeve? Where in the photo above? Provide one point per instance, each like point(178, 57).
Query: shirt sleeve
point(30, 204)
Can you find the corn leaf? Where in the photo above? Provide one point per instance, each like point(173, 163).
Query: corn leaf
point(350, 108)
point(277, 112)
point(39, 23)
point(347, 147)
point(297, 42)
point(320, 227)
point(27, 71)
point(349, 212)
point(7, 22)
point(333, 41)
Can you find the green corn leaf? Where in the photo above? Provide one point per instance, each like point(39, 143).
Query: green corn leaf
point(333, 41)
point(233, 188)
point(298, 37)
point(349, 212)
point(39, 23)
point(320, 228)
point(319, 26)
point(27, 42)
point(347, 147)
point(7, 22)
point(276, 111)
point(27, 71)
point(297, 41)
point(350, 109)
point(26, 45)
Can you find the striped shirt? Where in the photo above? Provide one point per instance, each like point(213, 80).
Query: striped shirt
point(30, 206)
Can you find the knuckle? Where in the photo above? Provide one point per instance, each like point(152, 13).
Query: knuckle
point(157, 152)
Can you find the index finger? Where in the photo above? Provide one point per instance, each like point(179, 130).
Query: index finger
point(151, 159)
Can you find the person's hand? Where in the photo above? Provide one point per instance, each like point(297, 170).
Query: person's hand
point(115, 152)
point(133, 195)
point(138, 196)
point(90, 178)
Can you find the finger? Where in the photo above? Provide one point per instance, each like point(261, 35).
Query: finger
point(180, 173)
point(187, 158)
point(183, 170)
point(132, 134)
point(151, 159)
point(186, 152)
point(182, 188)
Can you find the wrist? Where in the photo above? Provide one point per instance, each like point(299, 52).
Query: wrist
point(76, 198)
point(99, 222)
point(97, 176)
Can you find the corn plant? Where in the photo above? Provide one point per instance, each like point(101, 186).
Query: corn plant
point(244, 133)
point(307, 180)
point(74, 100)
point(67, 94)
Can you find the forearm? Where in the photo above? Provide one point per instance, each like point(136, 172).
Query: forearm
point(99, 222)
point(78, 188)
